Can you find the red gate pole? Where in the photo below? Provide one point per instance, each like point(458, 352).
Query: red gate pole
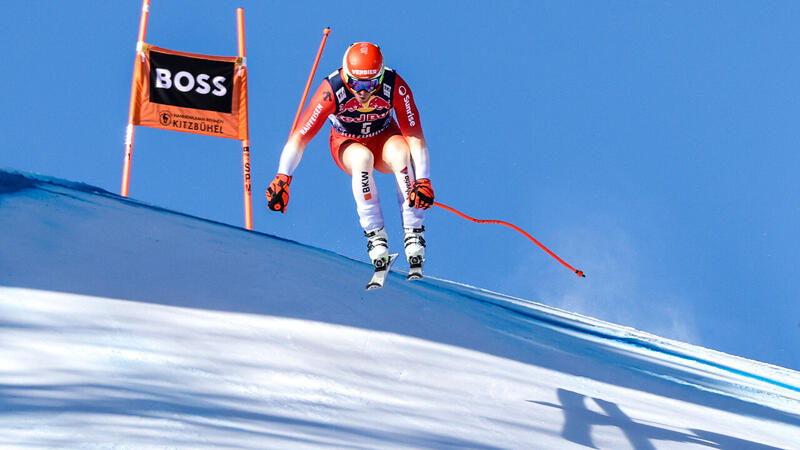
point(248, 198)
point(126, 171)
point(326, 32)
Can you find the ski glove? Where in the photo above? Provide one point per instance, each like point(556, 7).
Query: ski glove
point(421, 195)
point(278, 193)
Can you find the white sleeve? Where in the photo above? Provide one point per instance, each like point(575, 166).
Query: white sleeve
point(290, 158)
point(420, 157)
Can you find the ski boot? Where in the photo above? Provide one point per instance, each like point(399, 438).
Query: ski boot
point(378, 247)
point(414, 239)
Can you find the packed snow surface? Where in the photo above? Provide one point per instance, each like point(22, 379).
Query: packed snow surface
point(129, 326)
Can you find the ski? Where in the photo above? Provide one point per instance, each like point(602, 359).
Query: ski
point(415, 272)
point(381, 270)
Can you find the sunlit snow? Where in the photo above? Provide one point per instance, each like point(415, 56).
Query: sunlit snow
point(128, 326)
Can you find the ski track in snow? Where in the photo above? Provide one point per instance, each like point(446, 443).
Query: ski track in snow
point(129, 326)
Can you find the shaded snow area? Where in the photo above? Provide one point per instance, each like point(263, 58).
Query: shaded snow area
point(129, 326)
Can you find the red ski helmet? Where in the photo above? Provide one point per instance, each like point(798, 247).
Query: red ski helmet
point(363, 60)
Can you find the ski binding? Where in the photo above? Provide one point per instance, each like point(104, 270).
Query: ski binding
point(382, 267)
point(415, 272)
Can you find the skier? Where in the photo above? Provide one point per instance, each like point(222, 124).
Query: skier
point(359, 98)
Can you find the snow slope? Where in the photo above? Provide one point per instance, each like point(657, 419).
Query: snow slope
point(129, 326)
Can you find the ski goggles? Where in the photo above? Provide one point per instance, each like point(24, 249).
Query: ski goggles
point(369, 85)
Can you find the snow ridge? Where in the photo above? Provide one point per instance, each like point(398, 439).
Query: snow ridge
point(173, 336)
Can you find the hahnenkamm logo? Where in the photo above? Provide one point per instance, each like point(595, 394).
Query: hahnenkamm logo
point(191, 82)
point(165, 118)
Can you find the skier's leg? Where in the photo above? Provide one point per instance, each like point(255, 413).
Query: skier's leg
point(358, 161)
point(397, 156)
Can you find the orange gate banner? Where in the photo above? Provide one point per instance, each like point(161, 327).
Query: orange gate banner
point(189, 92)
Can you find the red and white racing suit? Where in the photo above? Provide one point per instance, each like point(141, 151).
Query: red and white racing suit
point(370, 124)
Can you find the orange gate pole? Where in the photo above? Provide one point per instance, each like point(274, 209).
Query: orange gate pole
point(126, 171)
point(325, 32)
point(248, 198)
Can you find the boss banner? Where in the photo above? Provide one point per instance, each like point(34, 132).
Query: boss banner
point(189, 92)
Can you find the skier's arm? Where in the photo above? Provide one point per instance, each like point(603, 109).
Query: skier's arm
point(411, 127)
point(311, 121)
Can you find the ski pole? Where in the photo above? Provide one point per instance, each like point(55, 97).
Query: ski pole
point(325, 32)
point(510, 225)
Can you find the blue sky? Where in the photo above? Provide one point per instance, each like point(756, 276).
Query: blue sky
point(652, 144)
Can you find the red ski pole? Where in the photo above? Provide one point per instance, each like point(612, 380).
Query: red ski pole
point(326, 32)
point(510, 225)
